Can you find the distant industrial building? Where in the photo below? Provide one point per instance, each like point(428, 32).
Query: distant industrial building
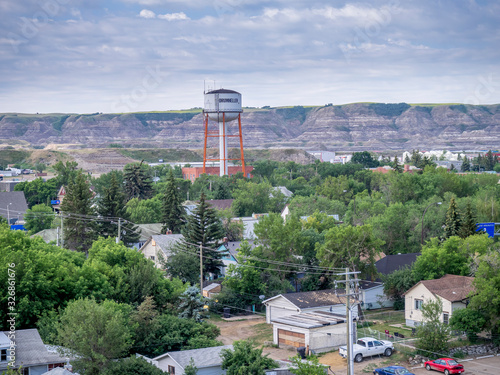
point(192, 173)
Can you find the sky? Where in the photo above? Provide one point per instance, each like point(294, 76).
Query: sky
point(87, 56)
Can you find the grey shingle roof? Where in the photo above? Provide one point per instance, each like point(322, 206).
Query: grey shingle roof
point(30, 350)
point(58, 371)
point(318, 298)
point(391, 263)
point(16, 202)
point(206, 357)
point(167, 241)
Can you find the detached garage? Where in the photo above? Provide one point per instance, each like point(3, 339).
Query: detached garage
point(318, 331)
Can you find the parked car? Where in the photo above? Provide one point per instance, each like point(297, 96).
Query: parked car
point(392, 370)
point(368, 346)
point(446, 365)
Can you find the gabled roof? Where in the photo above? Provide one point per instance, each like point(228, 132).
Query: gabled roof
point(16, 203)
point(58, 371)
point(30, 350)
point(206, 357)
point(391, 263)
point(147, 230)
point(453, 288)
point(164, 241)
point(306, 300)
point(233, 246)
point(220, 204)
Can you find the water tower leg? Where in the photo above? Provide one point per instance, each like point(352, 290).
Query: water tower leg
point(205, 146)
point(241, 146)
point(222, 146)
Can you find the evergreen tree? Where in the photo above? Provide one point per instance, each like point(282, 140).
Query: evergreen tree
point(489, 161)
point(222, 190)
point(112, 205)
point(203, 228)
point(137, 182)
point(453, 222)
point(80, 230)
point(172, 210)
point(407, 159)
point(465, 165)
point(468, 227)
point(191, 305)
point(191, 368)
point(397, 166)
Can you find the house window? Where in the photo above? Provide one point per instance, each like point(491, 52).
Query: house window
point(26, 371)
point(4, 355)
point(171, 370)
point(418, 304)
point(446, 318)
point(152, 257)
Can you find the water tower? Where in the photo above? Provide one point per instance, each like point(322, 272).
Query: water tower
point(222, 106)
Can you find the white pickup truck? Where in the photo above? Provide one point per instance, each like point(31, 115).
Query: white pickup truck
point(368, 346)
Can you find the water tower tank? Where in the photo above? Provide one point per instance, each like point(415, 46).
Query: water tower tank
point(223, 105)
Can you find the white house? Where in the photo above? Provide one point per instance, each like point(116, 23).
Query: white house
point(207, 360)
point(158, 247)
point(452, 290)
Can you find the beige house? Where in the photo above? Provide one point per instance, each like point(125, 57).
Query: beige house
point(452, 290)
point(158, 247)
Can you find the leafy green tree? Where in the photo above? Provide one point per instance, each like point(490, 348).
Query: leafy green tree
point(132, 366)
point(469, 321)
point(305, 206)
point(251, 197)
point(46, 276)
point(80, 228)
point(365, 159)
point(453, 222)
point(96, 333)
point(145, 211)
point(233, 228)
point(38, 191)
point(452, 256)
point(486, 298)
point(111, 207)
point(397, 283)
point(203, 228)
point(38, 218)
point(348, 246)
point(66, 172)
point(137, 181)
point(191, 368)
point(309, 367)
point(172, 210)
point(432, 334)
point(191, 305)
point(245, 359)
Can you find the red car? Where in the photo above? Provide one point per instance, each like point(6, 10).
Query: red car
point(446, 365)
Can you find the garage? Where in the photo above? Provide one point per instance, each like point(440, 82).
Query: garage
point(291, 338)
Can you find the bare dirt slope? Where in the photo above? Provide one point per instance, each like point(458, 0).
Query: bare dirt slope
point(100, 161)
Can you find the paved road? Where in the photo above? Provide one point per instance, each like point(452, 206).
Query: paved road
point(485, 366)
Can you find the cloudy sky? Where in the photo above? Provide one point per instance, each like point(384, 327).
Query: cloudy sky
point(90, 56)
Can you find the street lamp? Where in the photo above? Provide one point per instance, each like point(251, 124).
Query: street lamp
point(422, 239)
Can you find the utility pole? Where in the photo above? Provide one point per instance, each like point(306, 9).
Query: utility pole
point(62, 229)
point(119, 224)
point(201, 269)
point(350, 329)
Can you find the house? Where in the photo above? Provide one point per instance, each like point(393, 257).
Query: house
point(206, 360)
point(145, 232)
point(13, 206)
point(372, 296)
point(220, 204)
point(30, 353)
point(391, 263)
point(248, 224)
point(230, 250)
point(158, 247)
point(288, 304)
point(283, 190)
point(452, 290)
point(317, 331)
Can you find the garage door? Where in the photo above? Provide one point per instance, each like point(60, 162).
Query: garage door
point(291, 338)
